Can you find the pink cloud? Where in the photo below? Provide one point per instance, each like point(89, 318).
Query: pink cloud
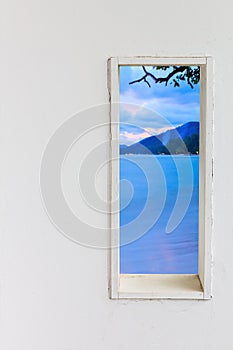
point(129, 137)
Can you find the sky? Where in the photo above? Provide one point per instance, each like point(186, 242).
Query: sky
point(148, 111)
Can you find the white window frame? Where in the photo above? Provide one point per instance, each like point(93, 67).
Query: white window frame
point(165, 286)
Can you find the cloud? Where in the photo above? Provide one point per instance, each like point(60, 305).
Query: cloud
point(172, 110)
point(148, 111)
point(131, 133)
point(158, 131)
point(128, 138)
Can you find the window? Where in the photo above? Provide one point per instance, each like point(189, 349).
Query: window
point(160, 177)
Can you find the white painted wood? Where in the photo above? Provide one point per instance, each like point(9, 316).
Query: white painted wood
point(202, 170)
point(165, 61)
point(206, 177)
point(165, 286)
point(114, 204)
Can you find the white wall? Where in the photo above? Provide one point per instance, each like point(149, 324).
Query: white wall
point(53, 292)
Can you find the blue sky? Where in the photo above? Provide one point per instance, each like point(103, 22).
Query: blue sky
point(149, 111)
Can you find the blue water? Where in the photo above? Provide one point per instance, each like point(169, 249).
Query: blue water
point(159, 248)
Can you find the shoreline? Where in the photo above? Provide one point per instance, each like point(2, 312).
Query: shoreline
point(161, 155)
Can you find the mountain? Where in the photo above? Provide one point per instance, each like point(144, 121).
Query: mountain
point(183, 131)
point(183, 139)
point(122, 147)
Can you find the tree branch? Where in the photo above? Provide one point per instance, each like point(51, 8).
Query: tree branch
point(188, 78)
point(146, 81)
point(176, 70)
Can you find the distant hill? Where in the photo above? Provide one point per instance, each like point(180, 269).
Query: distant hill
point(180, 140)
point(182, 131)
point(123, 146)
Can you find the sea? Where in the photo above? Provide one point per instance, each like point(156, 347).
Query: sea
point(159, 214)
